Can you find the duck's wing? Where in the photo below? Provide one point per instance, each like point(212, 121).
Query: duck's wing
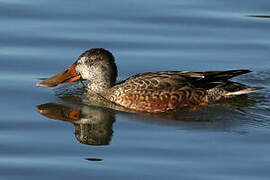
point(177, 79)
point(212, 79)
point(160, 80)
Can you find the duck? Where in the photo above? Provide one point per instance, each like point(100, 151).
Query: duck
point(151, 92)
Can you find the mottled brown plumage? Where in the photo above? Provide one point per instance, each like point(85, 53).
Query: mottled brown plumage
point(152, 91)
point(155, 92)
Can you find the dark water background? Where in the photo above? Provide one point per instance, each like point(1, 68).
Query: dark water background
point(40, 38)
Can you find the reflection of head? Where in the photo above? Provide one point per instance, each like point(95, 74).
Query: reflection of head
point(93, 134)
point(93, 125)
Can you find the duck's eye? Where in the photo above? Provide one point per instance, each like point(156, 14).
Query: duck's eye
point(89, 61)
point(93, 57)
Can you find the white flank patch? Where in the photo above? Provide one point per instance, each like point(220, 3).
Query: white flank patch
point(245, 91)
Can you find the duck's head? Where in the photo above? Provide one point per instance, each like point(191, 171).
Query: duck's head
point(97, 66)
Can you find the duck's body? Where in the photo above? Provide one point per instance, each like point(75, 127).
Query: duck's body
point(170, 90)
point(153, 91)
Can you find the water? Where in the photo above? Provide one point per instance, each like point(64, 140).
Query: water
point(224, 141)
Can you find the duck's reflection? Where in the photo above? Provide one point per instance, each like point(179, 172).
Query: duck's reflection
point(93, 125)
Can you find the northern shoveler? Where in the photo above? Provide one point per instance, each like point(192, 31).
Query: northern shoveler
point(151, 91)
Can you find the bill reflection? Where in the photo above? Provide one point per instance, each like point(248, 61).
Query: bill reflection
point(93, 125)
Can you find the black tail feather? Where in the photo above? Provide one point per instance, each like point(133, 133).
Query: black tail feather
point(218, 78)
point(224, 75)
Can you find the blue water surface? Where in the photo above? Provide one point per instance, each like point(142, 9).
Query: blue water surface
point(40, 38)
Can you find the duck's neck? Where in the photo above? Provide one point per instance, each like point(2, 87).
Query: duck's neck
point(103, 79)
point(99, 85)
